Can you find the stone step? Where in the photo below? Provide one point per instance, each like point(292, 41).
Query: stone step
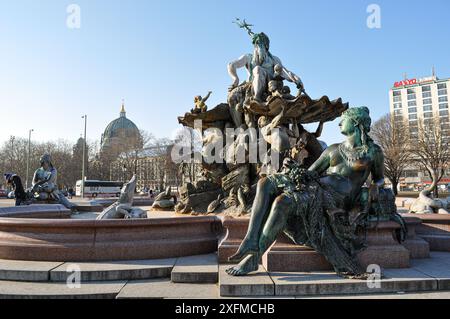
point(48, 290)
point(89, 271)
point(196, 269)
point(328, 283)
point(258, 284)
point(425, 275)
point(437, 242)
point(423, 295)
point(17, 270)
point(165, 289)
point(116, 270)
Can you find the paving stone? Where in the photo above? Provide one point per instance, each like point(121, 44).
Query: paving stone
point(422, 295)
point(441, 256)
point(165, 289)
point(17, 270)
point(196, 269)
point(256, 284)
point(328, 283)
point(49, 290)
point(436, 268)
point(116, 270)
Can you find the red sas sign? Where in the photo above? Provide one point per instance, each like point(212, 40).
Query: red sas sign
point(405, 82)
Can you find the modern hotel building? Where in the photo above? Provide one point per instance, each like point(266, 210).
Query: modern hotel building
point(425, 100)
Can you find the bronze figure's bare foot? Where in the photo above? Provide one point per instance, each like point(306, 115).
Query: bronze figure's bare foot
point(248, 265)
point(243, 251)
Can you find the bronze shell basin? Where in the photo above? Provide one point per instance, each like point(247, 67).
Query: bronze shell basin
point(67, 240)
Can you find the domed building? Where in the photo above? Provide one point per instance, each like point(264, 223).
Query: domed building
point(121, 135)
point(123, 154)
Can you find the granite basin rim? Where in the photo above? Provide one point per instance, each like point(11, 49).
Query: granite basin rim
point(102, 240)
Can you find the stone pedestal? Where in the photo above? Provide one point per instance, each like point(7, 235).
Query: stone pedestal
point(434, 229)
point(417, 246)
point(284, 256)
point(41, 211)
point(235, 230)
point(383, 249)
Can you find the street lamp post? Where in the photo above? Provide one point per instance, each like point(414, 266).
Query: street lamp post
point(28, 157)
point(83, 168)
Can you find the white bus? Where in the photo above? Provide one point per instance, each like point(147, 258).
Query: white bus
point(94, 188)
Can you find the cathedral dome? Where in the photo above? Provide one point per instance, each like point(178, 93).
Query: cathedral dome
point(121, 130)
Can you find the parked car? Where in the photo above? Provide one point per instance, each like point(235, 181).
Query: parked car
point(3, 193)
point(11, 195)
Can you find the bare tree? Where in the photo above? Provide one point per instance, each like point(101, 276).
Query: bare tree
point(393, 137)
point(431, 151)
point(13, 158)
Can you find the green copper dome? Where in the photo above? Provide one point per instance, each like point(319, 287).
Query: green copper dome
point(120, 128)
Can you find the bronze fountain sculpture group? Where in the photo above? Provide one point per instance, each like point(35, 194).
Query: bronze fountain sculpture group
point(324, 199)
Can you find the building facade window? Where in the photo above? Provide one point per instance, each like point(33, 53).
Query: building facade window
point(411, 174)
point(427, 101)
point(442, 86)
point(443, 99)
point(442, 92)
point(412, 103)
point(428, 115)
point(426, 95)
point(398, 118)
point(398, 112)
point(397, 99)
point(413, 116)
point(412, 110)
point(443, 106)
point(426, 88)
point(428, 108)
point(411, 97)
point(397, 93)
point(398, 105)
point(443, 113)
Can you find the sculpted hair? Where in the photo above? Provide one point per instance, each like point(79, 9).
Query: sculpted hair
point(361, 117)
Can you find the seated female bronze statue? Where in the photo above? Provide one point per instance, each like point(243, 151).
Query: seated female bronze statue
point(44, 186)
point(306, 204)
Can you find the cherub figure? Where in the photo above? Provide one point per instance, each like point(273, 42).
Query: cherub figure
point(200, 104)
point(275, 89)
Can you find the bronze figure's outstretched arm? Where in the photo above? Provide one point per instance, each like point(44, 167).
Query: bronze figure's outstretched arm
point(206, 97)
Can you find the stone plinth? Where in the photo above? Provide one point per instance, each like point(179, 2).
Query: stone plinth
point(88, 207)
point(417, 246)
point(383, 249)
point(137, 201)
point(235, 230)
point(287, 257)
point(42, 211)
point(435, 229)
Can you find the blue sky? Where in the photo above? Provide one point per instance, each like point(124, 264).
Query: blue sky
point(158, 55)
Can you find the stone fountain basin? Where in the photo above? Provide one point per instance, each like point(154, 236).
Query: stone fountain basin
point(72, 240)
